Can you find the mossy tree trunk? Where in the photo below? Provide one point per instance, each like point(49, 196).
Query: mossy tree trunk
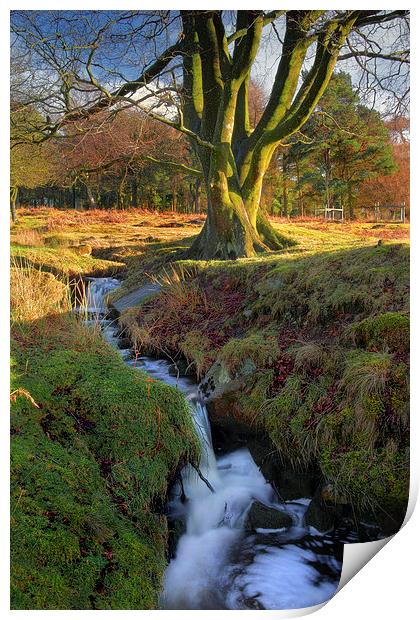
point(350, 200)
point(285, 170)
point(13, 198)
point(234, 157)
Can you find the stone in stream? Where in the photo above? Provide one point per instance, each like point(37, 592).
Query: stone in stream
point(295, 484)
point(219, 381)
point(324, 513)
point(262, 516)
point(220, 392)
point(124, 343)
point(135, 297)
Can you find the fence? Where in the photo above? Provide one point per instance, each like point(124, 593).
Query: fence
point(384, 213)
point(376, 213)
point(331, 213)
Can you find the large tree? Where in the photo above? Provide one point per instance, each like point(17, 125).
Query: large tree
point(195, 76)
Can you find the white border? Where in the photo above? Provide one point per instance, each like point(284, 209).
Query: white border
point(387, 586)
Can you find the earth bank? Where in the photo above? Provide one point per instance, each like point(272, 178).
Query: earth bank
point(94, 448)
point(310, 352)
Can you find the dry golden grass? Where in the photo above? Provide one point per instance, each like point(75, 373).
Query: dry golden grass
point(29, 237)
point(125, 233)
point(25, 394)
point(35, 293)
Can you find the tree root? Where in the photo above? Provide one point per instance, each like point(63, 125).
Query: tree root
point(270, 236)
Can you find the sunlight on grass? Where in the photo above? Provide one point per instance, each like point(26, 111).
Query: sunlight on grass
point(34, 293)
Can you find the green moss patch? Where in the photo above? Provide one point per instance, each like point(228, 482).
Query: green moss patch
point(90, 471)
point(390, 331)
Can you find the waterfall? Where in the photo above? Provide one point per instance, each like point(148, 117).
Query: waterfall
point(219, 562)
point(96, 291)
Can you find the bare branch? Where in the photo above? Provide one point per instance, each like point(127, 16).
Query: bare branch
point(399, 56)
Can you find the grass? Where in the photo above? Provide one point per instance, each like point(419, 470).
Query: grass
point(64, 262)
point(34, 293)
point(366, 375)
point(50, 238)
point(92, 454)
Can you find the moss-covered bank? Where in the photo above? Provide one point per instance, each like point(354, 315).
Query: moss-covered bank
point(94, 446)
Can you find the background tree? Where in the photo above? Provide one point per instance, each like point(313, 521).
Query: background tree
point(346, 143)
point(32, 164)
point(391, 189)
point(118, 152)
point(208, 100)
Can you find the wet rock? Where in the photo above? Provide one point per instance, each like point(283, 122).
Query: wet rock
point(266, 459)
point(228, 436)
point(135, 297)
point(220, 391)
point(320, 516)
point(124, 343)
point(262, 516)
point(229, 430)
point(177, 528)
point(295, 484)
point(289, 484)
point(220, 385)
point(217, 382)
point(323, 514)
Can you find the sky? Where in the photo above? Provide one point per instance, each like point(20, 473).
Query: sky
point(121, 60)
point(387, 587)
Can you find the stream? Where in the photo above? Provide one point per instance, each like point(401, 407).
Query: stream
point(220, 562)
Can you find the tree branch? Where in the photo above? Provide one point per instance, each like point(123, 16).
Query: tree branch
point(128, 88)
point(373, 17)
point(131, 158)
point(397, 56)
point(175, 166)
point(268, 19)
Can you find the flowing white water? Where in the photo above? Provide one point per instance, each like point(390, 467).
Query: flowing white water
point(96, 291)
point(219, 563)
